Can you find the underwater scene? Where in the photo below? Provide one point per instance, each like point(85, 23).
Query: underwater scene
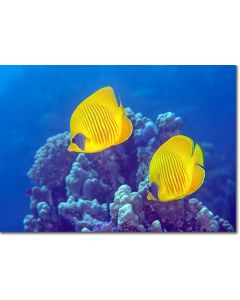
point(114, 148)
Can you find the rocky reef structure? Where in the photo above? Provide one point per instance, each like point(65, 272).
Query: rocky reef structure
point(107, 191)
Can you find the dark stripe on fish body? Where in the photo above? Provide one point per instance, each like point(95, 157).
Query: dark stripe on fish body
point(180, 171)
point(184, 171)
point(108, 126)
point(163, 172)
point(87, 123)
point(168, 174)
point(177, 174)
point(173, 173)
point(115, 127)
point(99, 127)
point(93, 123)
point(111, 126)
point(181, 174)
point(159, 170)
point(104, 125)
point(167, 171)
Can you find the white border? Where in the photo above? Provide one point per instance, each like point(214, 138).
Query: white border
point(119, 266)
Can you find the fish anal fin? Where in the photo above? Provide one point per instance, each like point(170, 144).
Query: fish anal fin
point(126, 129)
point(198, 176)
point(198, 155)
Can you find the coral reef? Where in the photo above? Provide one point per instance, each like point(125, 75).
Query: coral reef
point(168, 125)
point(107, 191)
point(220, 175)
point(52, 161)
point(83, 215)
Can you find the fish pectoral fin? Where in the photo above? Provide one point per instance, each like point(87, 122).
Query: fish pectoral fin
point(197, 179)
point(150, 196)
point(126, 130)
point(73, 148)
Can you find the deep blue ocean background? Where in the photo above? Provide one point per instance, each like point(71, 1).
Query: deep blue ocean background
point(37, 102)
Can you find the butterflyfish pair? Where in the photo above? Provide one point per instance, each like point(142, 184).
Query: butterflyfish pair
point(176, 169)
point(99, 123)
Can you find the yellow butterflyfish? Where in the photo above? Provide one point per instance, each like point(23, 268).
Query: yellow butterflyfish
point(176, 169)
point(98, 123)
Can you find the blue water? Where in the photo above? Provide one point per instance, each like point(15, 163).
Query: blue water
point(37, 102)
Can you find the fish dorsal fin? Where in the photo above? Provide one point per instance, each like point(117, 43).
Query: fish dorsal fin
point(105, 97)
point(180, 144)
point(121, 109)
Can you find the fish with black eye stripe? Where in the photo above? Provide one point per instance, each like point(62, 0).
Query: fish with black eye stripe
point(99, 123)
point(176, 169)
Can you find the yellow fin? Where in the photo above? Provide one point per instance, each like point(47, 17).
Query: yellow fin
point(121, 109)
point(179, 143)
point(198, 176)
point(126, 130)
point(74, 148)
point(105, 97)
point(150, 196)
point(198, 155)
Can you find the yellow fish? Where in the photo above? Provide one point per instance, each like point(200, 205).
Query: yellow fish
point(176, 169)
point(98, 123)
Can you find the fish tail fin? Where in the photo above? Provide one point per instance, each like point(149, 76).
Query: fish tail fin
point(198, 174)
point(126, 129)
point(197, 179)
point(198, 155)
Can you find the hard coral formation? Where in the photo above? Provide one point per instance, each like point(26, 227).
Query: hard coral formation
point(52, 161)
point(168, 125)
point(83, 214)
point(107, 191)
